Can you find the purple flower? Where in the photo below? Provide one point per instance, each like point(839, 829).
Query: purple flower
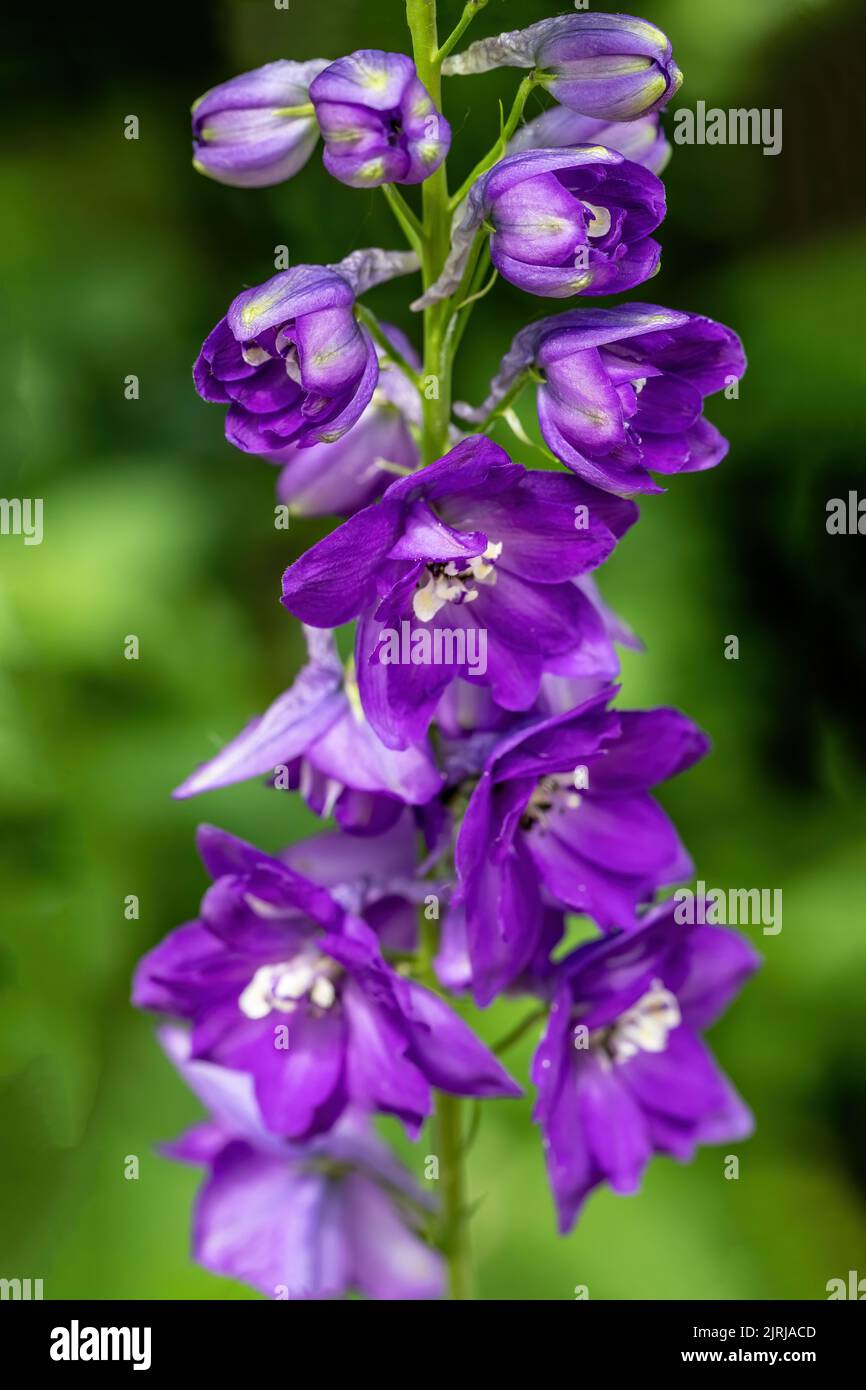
point(562, 816)
point(243, 131)
point(310, 1221)
point(337, 479)
point(378, 120)
point(316, 739)
point(621, 1070)
point(611, 66)
point(623, 390)
point(573, 222)
point(564, 222)
point(642, 141)
point(290, 358)
point(463, 569)
point(281, 982)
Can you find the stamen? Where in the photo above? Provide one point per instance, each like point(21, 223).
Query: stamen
point(599, 224)
point(553, 794)
point(254, 355)
point(448, 584)
point(642, 1028)
point(283, 986)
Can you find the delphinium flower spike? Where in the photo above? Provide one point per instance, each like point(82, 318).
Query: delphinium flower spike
point(479, 778)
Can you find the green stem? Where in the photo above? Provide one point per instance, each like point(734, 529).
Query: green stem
point(507, 401)
point(436, 405)
point(455, 1227)
point(512, 420)
point(480, 293)
point(368, 318)
point(428, 945)
point(436, 235)
point(517, 1033)
point(469, 12)
point(494, 154)
point(468, 293)
point(405, 216)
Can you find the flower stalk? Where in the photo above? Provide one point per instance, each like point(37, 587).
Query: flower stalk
point(470, 10)
point(313, 992)
point(495, 153)
point(436, 406)
point(454, 1238)
point(436, 413)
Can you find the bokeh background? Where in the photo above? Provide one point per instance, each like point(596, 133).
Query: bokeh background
point(118, 259)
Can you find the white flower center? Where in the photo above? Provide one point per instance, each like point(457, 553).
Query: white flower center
point(449, 584)
point(599, 223)
point(282, 986)
point(254, 355)
point(645, 1026)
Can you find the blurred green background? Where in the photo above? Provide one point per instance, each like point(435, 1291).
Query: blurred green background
point(118, 260)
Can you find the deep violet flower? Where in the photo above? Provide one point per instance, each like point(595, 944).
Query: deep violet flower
point(621, 1071)
point(642, 141)
point(623, 390)
point(316, 739)
point(291, 360)
point(612, 66)
point(378, 120)
point(338, 479)
point(299, 1221)
point(243, 131)
point(463, 569)
point(470, 583)
point(281, 982)
point(562, 816)
point(564, 222)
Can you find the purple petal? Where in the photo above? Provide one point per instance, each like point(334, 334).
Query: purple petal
point(447, 1051)
point(380, 1074)
point(721, 962)
point(271, 1225)
point(653, 745)
point(389, 1260)
point(613, 1121)
point(336, 579)
point(288, 295)
point(294, 1085)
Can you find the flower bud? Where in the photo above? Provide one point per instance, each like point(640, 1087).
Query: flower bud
point(573, 221)
point(563, 222)
point(291, 360)
point(244, 132)
point(621, 391)
point(378, 120)
point(611, 66)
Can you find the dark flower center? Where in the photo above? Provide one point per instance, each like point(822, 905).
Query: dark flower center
point(444, 582)
point(552, 796)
